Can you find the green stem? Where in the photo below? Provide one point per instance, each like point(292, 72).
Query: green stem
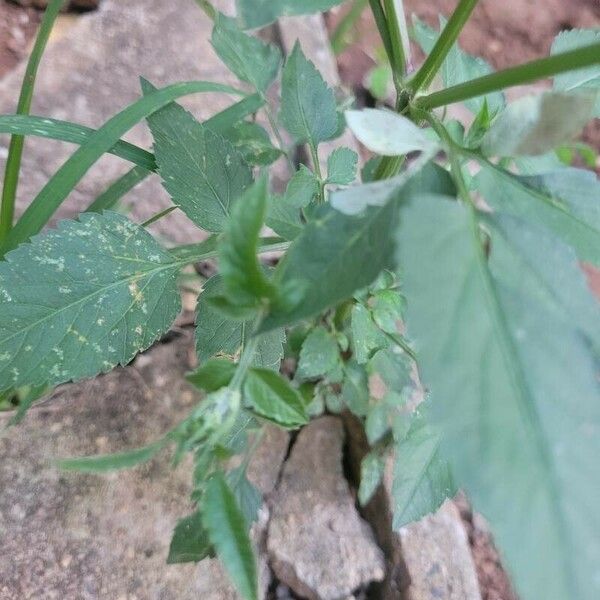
point(245, 360)
point(277, 133)
point(526, 73)
point(15, 149)
point(398, 60)
point(314, 155)
point(160, 215)
point(381, 22)
point(444, 43)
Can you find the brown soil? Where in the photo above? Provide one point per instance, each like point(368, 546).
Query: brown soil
point(17, 28)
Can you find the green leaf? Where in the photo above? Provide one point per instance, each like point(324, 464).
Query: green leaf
point(387, 133)
point(80, 299)
point(331, 249)
point(243, 276)
point(256, 13)
point(308, 108)
point(227, 531)
point(45, 204)
point(392, 365)
point(319, 354)
point(586, 79)
point(218, 334)
point(422, 478)
point(284, 214)
point(420, 174)
point(387, 310)
point(332, 246)
point(251, 59)
point(341, 166)
point(458, 67)
point(73, 133)
point(564, 201)
point(372, 468)
point(366, 336)
point(248, 498)
point(202, 171)
point(519, 429)
point(111, 462)
point(537, 124)
point(213, 374)
point(355, 389)
point(190, 541)
point(272, 397)
point(254, 143)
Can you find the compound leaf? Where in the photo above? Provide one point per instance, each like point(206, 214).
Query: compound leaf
point(202, 171)
point(273, 398)
point(308, 108)
point(251, 59)
point(80, 299)
point(228, 532)
point(537, 124)
point(519, 430)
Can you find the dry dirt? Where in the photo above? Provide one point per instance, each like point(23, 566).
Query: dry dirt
point(17, 27)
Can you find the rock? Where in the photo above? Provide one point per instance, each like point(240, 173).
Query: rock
point(91, 71)
point(77, 537)
point(427, 560)
point(69, 5)
point(318, 544)
point(438, 558)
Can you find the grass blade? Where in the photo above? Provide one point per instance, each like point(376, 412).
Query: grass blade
point(109, 198)
point(15, 149)
point(66, 178)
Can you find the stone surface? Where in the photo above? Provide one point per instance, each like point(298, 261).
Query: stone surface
point(72, 536)
point(91, 71)
point(317, 542)
point(438, 557)
point(427, 560)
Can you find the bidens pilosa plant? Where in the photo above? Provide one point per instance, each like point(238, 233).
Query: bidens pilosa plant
point(473, 237)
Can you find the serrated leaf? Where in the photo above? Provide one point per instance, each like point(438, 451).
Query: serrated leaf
point(366, 336)
point(392, 366)
point(499, 365)
point(458, 67)
point(251, 59)
point(243, 276)
point(111, 462)
point(202, 171)
point(213, 374)
point(332, 247)
point(564, 201)
point(190, 541)
point(387, 309)
point(218, 334)
point(537, 124)
point(319, 354)
point(248, 498)
point(80, 299)
point(256, 13)
point(254, 143)
point(387, 133)
point(341, 166)
point(372, 468)
point(422, 478)
point(284, 213)
point(355, 389)
point(308, 108)
point(273, 398)
point(588, 78)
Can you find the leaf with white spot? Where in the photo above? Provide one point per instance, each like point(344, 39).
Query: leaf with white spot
point(82, 299)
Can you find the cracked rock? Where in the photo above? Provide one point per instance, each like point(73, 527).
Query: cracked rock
point(318, 544)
